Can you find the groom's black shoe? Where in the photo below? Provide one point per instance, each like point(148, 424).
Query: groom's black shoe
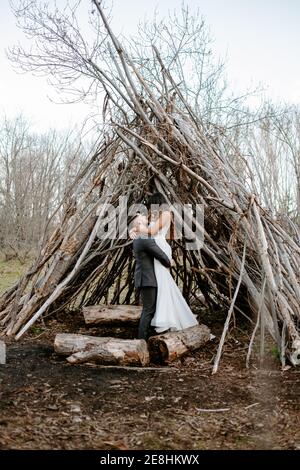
point(151, 332)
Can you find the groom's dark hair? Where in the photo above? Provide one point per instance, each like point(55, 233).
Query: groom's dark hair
point(156, 199)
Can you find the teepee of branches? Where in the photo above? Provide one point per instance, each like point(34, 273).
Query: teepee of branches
point(249, 262)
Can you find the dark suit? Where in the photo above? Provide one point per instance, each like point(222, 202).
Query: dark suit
point(145, 250)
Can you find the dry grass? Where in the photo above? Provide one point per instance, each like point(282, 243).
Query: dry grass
point(10, 271)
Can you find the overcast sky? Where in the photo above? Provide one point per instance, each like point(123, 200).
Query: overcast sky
point(261, 39)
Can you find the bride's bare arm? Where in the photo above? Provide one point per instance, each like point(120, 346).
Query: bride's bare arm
point(163, 219)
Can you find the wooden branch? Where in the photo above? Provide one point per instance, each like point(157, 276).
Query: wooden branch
point(230, 311)
point(59, 288)
point(259, 313)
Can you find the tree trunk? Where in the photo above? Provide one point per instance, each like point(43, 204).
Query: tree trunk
point(104, 350)
point(170, 346)
point(111, 314)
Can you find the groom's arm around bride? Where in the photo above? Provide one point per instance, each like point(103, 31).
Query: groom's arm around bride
point(145, 250)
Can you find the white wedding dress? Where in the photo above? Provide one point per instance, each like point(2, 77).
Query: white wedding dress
point(172, 311)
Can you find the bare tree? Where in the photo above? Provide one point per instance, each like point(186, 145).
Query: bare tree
point(287, 130)
point(36, 171)
point(271, 152)
point(70, 46)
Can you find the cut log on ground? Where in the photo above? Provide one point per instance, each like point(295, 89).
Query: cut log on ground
point(103, 350)
point(111, 314)
point(170, 346)
point(67, 344)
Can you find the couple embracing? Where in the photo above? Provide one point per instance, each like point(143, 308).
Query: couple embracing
point(164, 307)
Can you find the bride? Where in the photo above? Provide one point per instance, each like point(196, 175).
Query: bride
point(172, 312)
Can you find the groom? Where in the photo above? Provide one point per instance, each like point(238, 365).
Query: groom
point(145, 250)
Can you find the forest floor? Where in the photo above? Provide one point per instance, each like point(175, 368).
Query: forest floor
point(46, 403)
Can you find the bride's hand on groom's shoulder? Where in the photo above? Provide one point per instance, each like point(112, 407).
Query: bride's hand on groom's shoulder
point(172, 263)
point(133, 234)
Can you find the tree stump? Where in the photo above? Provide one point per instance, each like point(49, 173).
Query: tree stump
point(103, 350)
point(111, 314)
point(170, 346)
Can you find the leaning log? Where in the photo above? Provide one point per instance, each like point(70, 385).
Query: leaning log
point(170, 346)
point(103, 350)
point(111, 314)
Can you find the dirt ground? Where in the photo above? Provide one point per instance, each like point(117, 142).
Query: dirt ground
point(45, 403)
